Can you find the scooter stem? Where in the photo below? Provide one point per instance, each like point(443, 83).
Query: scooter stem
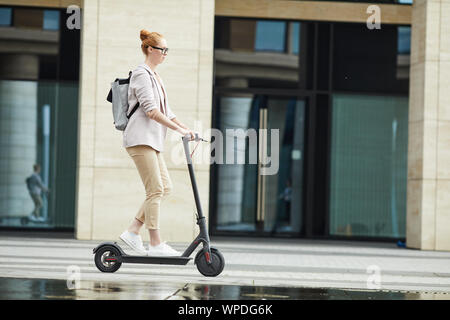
point(186, 140)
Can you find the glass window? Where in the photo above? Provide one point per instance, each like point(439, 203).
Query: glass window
point(403, 52)
point(404, 40)
point(369, 132)
point(253, 53)
point(51, 20)
point(234, 211)
point(246, 199)
point(29, 113)
point(294, 35)
point(28, 18)
point(270, 36)
point(5, 16)
point(283, 192)
point(378, 63)
point(368, 166)
point(38, 114)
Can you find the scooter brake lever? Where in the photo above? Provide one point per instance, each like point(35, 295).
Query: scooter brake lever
point(198, 138)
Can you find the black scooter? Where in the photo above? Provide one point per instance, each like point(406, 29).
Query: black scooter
point(109, 256)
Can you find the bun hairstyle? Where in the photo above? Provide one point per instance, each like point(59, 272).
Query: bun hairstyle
point(149, 39)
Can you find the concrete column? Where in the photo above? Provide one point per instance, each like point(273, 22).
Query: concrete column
point(109, 189)
point(428, 206)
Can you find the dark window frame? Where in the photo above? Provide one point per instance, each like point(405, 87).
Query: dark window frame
point(56, 142)
point(316, 212)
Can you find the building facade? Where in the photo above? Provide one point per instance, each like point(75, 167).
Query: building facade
point(356, 90)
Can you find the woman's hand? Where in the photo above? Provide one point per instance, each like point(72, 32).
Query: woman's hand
point(185, 132)
point(192, 133)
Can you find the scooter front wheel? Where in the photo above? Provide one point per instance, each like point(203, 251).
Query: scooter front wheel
point(106, 259)
point(213, 269)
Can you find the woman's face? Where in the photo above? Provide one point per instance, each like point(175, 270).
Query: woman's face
point(156, 55)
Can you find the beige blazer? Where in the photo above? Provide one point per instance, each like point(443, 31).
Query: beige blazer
point(146, 89)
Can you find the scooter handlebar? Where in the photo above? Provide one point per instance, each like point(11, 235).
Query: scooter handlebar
point(196, 138)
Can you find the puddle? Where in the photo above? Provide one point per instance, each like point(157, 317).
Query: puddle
point(50, 289)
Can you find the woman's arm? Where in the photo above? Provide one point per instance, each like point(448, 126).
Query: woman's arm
point(144, 94)
point(159, 117)
point(180, 124)
point(184, 127)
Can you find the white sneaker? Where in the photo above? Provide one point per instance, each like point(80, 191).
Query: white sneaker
point(134, 241)
point(163, 249)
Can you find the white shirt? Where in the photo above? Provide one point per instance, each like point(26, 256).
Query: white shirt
point(146, 89)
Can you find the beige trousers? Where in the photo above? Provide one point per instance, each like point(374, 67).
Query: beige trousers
point(155, 177)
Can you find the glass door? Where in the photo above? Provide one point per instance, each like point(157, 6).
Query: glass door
point(253, 197)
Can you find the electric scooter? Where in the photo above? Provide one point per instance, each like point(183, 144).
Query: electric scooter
point(109, 256)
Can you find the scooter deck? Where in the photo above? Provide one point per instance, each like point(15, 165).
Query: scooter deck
point(126, 258)
point(155, 260)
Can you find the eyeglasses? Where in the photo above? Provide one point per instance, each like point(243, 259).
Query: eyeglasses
point(163, 50)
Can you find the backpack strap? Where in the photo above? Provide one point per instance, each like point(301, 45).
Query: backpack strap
point(133, 111)
point(137, 104)
point(109, 97)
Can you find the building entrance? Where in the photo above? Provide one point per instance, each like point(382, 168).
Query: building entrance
point(264, 198)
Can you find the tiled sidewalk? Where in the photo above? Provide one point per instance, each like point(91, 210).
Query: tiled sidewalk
point(262, 262)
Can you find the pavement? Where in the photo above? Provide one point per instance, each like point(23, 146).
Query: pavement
point(54, 289)
point(249, 262)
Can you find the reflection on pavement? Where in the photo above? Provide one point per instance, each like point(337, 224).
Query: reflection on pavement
point(49, 289)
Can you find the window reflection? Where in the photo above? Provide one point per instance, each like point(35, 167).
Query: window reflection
point(5, 16)
point(236, 202)
point(257, 53)
point(270, 36)
point(38, 115)
point(378, 63)
point(51, 20)
point(294, 34)
point(403, 52)
point(369, 166)
point(351, 62)
point(246, 200)
point(28, 18)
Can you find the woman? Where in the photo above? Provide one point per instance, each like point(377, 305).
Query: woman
point(144, 138)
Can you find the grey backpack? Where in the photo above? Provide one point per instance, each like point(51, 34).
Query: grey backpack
point(118, 96)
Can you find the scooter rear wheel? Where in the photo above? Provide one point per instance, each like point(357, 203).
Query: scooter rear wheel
point(213, 269)
point(101, 259)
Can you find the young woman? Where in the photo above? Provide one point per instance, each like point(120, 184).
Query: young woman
point(144, 138)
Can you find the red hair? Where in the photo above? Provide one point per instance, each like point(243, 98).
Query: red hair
point(149, 39)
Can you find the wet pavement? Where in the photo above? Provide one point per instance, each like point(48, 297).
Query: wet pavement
point(50, 289)
point(254, 269)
